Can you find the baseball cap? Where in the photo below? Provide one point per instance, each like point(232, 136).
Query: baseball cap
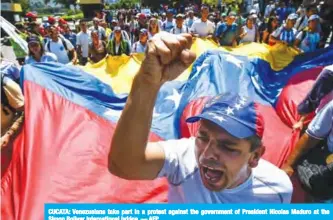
point(236, 114)
point(180, 16)
point(51, 20)
point(314, 17)
point(253, 11)
point(142, 16)
point(33, 39)
point(292, 16)
point(117, 28)
point(232, 14)
point(62, 21)
point(144, 31)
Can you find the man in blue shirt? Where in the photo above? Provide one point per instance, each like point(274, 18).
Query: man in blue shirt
point(282, 12)
point(69, 35)
point(308, 40)
point(227, 32)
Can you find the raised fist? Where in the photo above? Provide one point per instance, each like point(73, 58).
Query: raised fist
point(167, 56)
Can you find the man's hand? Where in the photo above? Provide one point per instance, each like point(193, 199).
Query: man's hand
point(74, 61)
point(5, 140)
point(167, 56)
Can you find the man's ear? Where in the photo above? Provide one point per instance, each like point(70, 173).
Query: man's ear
point(255, 156)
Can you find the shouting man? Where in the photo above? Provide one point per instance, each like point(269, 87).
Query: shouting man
point(220, 165)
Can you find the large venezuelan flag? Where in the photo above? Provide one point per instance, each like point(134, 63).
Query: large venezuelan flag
point(61, 154)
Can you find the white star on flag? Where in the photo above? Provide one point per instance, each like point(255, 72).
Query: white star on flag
point(234, 60)
point(238, 106)
point(175, 97)
point(230, 111)
point(243, 99)
point(242, 102)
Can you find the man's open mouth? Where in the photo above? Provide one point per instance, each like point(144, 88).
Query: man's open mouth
point(211, 174)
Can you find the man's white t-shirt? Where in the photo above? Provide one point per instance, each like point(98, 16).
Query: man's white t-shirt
point(83, 40)
point(267, 184)
point(321, 127)
point(203, 29)
point(138, 47)
point(182, 30)
point(59, 49)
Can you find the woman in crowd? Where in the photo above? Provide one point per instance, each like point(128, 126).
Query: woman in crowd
point(272, 25)
point(153, 27)
point(118, 45)
point(37, 53)
point(249, 32)
point(141, 45)
point(286, 33)
point(97, 48)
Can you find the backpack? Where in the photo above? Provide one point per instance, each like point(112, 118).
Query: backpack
point(69, 53)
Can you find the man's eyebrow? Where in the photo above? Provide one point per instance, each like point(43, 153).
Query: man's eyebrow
point(226, 142)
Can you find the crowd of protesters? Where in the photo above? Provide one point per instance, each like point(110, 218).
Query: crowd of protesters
point(127, 31)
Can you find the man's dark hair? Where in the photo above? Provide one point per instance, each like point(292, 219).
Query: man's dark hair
point(255, 142)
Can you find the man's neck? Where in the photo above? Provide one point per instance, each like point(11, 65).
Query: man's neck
point(204, 19)
point(241, 179)
point(55, 39)
point(143, 43)
point(37, 57)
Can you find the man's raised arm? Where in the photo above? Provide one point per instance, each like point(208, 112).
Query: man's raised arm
point(131, 157)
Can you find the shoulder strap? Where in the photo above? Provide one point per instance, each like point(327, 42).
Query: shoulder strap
point(135, 46)
point(48, 46)
point(304, 32)
point(64, 43)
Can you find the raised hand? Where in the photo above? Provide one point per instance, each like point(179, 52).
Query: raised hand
point(167, 56)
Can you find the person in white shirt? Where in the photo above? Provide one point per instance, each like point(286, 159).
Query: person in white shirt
point(180, 28)
point(83, 39)
point(189, 21)
point(249, 32)
point(169, 23)
point(141, 45)
point(101, 30)
point(220, 165)
point(61, 47)
point(203, 27)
